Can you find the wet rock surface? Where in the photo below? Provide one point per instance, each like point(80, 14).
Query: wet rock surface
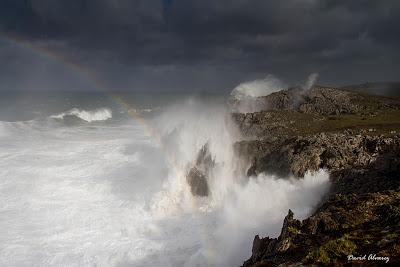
point(361, 213)
point(197, 177)
point(197, 181)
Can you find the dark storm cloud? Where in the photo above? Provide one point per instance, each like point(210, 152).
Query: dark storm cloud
point(343, 40)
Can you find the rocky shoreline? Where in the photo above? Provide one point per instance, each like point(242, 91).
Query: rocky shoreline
point(355, 137)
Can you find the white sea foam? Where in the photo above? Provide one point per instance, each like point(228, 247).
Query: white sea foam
point(117, 195)
point(246, 95)
point(261, 87)
point(3, 129)
point(88, 116)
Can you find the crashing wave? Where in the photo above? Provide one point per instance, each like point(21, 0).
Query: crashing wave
point(247, 97)
point(88, 116)
point(257, 88)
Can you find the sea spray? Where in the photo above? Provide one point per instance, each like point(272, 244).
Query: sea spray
point(116, 194)
point(246, 96)
point(240, 206)
point(311, 80)
point(259, 87)
point(257, 208)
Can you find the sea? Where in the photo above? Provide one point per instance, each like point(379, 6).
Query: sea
point(99, 179)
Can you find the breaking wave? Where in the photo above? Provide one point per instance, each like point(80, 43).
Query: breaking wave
point(117, 194)
point(88, 116)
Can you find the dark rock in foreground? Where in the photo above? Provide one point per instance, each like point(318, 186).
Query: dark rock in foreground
point(345, 225)
point(360, 216)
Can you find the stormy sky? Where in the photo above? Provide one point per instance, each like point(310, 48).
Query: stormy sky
point(203, 45)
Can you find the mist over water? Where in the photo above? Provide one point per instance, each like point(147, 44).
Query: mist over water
point(83, 183)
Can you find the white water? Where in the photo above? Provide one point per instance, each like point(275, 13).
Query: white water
point(88, 116)
point(114, 195)
point(247, 94)
point(311, 80)
point(261, 87)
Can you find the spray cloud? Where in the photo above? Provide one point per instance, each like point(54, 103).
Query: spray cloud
point(246, 97)
point(257, 88)
point(311, 80)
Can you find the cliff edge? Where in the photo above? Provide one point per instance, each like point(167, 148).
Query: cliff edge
point(356, 137)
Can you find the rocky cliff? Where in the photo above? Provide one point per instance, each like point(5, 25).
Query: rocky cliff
point(354, 136)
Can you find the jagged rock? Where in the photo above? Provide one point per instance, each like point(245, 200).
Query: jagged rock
point(333, 151)
point(197, 182)
point(334, 130)
point(204, 159)
point(197, 175)
point(343, 225)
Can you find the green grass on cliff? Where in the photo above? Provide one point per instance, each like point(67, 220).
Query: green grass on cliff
point(375, 123)
point(330, 252)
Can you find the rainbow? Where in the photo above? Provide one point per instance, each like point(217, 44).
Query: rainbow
point(99, 84)
point(91, 76)
point(80, 69)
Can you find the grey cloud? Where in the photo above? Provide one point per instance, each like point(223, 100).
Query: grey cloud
point(290, 39)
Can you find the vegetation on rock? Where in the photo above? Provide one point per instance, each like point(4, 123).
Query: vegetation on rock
point(354, 136)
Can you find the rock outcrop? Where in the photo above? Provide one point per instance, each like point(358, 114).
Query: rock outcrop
point(333, 151)
point(327, 101)
point(346, 224)
point(296, 112)
point(356, 138)
point(197, 176)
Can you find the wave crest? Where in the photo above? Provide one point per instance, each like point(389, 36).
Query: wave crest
point(101, 114)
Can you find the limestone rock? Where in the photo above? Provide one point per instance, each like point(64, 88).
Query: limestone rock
point(306, 131)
